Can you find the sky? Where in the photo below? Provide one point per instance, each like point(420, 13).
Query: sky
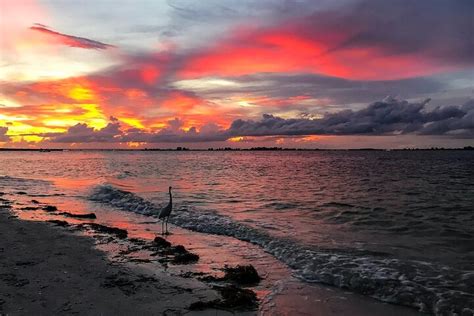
point(236, 73)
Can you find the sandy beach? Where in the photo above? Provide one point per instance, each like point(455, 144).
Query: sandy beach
point(45, 270)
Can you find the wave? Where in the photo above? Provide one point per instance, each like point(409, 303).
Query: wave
point(22, 186)
point(7, 180)
point(429, 287)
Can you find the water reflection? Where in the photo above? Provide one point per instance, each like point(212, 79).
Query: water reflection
point(340, 199)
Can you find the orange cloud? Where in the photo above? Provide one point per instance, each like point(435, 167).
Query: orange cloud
point(181, 102)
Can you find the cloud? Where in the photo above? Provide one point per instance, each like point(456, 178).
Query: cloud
point(3, 134)
point(286, 87)
point(436, 29)
point(81, 133)
point(387, 117)
point(69, 40)
point(365, 40)
point(115, 133)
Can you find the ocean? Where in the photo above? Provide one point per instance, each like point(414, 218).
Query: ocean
point(397, 226)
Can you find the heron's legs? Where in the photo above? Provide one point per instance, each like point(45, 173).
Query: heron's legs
point(167, 225)
point(163, 226)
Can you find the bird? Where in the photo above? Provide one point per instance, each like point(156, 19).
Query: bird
point(165, 214)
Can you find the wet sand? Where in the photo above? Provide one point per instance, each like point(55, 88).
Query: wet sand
point(46, 270)
point(49, 269)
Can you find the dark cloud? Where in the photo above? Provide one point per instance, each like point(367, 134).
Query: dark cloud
point(387, 117)
point(441, 29)
point(70, 40)
point(174, 134)
point(81, 133)
point(114, 133)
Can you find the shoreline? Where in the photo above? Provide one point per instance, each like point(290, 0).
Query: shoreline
point(50, 268)
point(47, 270)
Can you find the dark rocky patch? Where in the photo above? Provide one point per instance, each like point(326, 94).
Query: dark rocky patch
point(35, 202)
point(21, 193)
point(243, 275)
point(29, 208)
point(58, 222)
point(138, 241)
point(159, 245)
point(120, 233)
point(233, 298)
point(240, 275)
point(161, 242)
point(179, 254)
point(185, 258)
point(179, 249)
point(50, 208)
point(88, 215)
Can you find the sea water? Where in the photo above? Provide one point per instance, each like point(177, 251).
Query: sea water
point(394, 225)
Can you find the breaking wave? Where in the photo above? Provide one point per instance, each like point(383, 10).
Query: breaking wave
point(429, 287)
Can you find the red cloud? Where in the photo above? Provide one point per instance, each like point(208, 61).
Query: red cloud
point(69, 40)
point(297, 49)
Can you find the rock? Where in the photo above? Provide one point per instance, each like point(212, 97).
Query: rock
point(232, 298)
point(120, 233)
point(58, 222)
point(88, 215)
point(29, 208)
point(179, 249)
point(50, 208)
point(243, 275)
point(161, 242)
point(21, 193)
point(35, 202)
point(235, 297)
point(185, 258)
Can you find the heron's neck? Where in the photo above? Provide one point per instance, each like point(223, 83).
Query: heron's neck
point(171, 197)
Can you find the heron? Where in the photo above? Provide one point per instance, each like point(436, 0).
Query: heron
point(165, 214)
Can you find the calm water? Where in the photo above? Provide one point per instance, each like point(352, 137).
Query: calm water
point(398, 226)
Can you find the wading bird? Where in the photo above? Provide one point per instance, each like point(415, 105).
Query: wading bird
point(165, 214)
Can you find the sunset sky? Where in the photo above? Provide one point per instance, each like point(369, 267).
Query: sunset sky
point(307, 73)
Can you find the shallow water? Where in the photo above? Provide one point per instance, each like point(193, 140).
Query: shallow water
point(358, 220)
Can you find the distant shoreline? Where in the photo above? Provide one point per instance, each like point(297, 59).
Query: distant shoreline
point(235, 149)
